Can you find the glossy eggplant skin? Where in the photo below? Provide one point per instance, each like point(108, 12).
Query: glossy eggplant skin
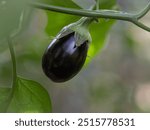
point(63, 59)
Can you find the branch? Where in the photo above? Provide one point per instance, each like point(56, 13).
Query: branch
point(87, 13)
point(108, 14)
point(143, 12)
point(141, 25)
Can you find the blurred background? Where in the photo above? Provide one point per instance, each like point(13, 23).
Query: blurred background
point(117, 79)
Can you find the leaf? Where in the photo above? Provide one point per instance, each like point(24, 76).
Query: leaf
point(29, 96)
point(4, 98)
point(85, 4)
point(65, 3)
point(107, 4)
point(99, 31)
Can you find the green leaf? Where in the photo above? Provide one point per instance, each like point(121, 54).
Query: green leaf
point(29, 96)
point(65, 3)
point(60, 21)
point(107, 4)
point(4, 98)
point(85, 4)
point(99, 33)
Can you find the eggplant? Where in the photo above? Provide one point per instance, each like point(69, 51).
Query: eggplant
point(67, 52)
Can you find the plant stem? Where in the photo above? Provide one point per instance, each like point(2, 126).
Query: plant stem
point(12, 53)
point(87, 13)
point(108, 14)
point(141, 25)
point(97, 4)
point(144, 11)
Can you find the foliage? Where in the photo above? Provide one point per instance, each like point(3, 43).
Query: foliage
point(28, 96)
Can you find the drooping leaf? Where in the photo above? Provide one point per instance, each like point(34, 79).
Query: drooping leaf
point(99, 33)
point(29, 96)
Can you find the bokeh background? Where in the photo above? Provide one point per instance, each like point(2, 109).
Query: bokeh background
point(117, 79)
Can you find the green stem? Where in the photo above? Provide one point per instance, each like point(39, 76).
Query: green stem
point(141, 25)
point(85, 21)
point(86, 13)
point(108, 14)
point(143, 12)
point(97, 4)
point(14, 72)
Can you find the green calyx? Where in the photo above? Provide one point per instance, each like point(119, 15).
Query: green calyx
point(81, 30)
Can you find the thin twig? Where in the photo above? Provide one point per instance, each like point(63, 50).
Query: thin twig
point(141, 25)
